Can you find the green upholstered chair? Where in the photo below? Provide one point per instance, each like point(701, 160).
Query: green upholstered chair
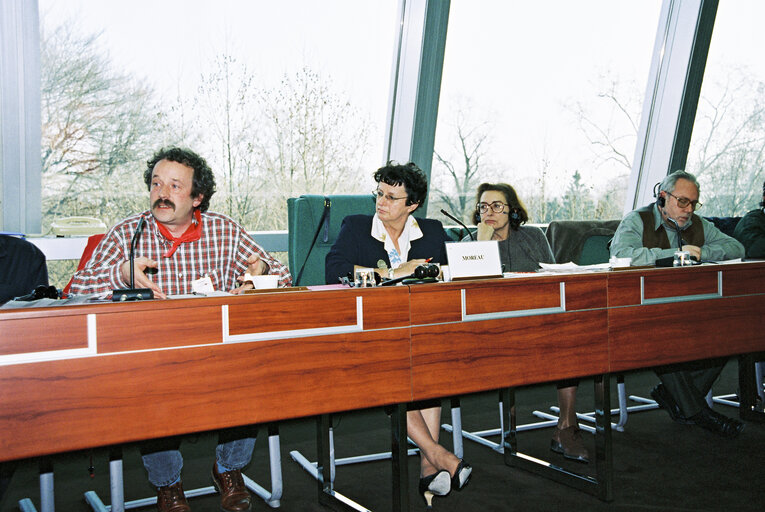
point(306, 216)
point(585, 242)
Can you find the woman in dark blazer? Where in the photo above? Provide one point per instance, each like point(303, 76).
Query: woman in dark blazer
point(394, 243)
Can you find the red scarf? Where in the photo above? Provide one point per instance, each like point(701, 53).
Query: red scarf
point(192, 234)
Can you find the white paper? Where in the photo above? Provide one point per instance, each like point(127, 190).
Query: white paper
point(573, 267)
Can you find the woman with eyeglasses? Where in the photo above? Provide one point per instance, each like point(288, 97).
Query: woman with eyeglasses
point(394, 244)
point(500, 216)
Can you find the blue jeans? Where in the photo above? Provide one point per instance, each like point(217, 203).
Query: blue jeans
point(164, 467)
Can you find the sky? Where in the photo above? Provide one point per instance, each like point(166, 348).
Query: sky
point(520, 66)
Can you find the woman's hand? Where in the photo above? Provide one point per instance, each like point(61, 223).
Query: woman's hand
point(484, 232)
point(407, 269)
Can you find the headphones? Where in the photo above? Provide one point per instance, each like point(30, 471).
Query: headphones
point(425, 271)
point(40, 292)
point(514, 216)
point(660, 199)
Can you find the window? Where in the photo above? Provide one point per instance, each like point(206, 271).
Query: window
point(281, 98)
point(545, 96)
point(728, 141)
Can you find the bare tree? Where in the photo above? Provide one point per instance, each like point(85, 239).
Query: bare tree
point(312, 141)
point(227, 110)
point(612, 133)
point(461, 166)
point(728, 144)
point(96, 124)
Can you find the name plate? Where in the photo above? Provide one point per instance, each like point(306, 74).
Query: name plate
point(474, 259)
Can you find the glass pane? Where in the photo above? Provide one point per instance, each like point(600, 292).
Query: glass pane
point(545, 96)
point(281, 98)
point(1, 168)
point(728, 142)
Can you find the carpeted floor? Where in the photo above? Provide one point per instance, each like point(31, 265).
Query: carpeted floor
point(658, 464)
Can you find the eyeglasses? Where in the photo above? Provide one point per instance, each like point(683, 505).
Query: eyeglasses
point(496, 207)
point(379, 194)
point(683, 202)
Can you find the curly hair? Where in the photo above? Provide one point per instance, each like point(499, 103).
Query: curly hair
point(203, 181)
point(410, 176)
point(512, 200)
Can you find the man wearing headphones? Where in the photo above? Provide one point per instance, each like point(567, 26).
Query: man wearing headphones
point(750, 230)
point(652, 232)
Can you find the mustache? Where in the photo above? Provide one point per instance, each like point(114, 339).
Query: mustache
point(163, 202)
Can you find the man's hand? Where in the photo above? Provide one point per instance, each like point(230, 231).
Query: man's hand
point(141, 280)
point(694, 250)
point(255, 267)
point(484, 232)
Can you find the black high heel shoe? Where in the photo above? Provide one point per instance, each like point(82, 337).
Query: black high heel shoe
point(437, 484)
point(461, 476)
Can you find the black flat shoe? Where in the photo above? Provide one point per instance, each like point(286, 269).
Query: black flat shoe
point(720, 424)
point(662, 397)
point(437, 484)
point(461, 476)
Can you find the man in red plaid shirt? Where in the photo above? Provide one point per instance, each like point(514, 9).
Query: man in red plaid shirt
point(181, 243)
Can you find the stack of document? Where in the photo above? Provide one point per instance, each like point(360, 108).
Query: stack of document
point(573, 267)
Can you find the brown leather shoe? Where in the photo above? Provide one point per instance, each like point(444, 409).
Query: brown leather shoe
point(171, 499)
point(234, 496)
point(568, 441)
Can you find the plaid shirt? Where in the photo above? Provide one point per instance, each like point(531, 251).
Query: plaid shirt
point(221, 252)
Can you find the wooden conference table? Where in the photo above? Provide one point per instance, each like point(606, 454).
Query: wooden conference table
point(102, 374)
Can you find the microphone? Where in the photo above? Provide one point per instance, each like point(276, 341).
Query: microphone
point(133, 293)
point(669, 261)
point(677, 229)
point(455, 219)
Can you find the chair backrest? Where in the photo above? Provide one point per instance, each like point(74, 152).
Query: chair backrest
point(93, 241)
point(725, 224)
point(304, 217)
point(584, 242)
point(457, 233)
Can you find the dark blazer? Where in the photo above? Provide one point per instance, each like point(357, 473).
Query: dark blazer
point(355, 246)
point(22, 267)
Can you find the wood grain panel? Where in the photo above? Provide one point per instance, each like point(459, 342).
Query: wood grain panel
point(680, 283)
point(288, 311)
point(452, 359)
point(623, 289)
point(382, 307)
point(743, 280)
point(512, 296)
point(22, 335)
point(68, 405)
point(386, 307)
point(438, 304)
point(140, 329)
point(668, 333)
point(589, 293)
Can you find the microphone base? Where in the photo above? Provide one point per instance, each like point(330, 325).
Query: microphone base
point(669, 261)
point(414, 280)
point(131, 294)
